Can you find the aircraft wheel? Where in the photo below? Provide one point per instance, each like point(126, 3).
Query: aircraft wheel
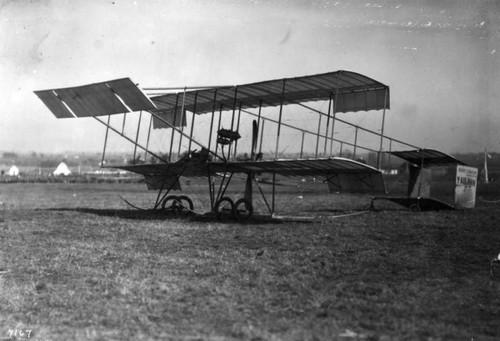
point(189, 205)
point(224, 207)
point(172, 203)
point(243, 209)
point(414, 208)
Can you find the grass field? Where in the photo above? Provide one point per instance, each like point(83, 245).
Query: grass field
point(77, 263)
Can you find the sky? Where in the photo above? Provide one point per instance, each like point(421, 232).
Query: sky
point(440, 58)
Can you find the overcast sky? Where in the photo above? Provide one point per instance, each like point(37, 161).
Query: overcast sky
point(441, 59)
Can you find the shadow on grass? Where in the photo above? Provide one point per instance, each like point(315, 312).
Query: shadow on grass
point(121, 213)
point(133, 214)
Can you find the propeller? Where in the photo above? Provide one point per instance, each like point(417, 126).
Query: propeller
point(255, 134)
point(253, 155)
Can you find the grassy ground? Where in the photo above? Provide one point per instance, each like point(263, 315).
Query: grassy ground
point(76, 263)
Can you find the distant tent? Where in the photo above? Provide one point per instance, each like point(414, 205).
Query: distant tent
point(14, 171)
point(62, 169)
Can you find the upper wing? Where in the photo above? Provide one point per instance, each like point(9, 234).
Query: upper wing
point(98, 99)
point(352, 91)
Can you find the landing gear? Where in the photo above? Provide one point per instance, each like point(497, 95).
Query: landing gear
point(243, 209)
point(224, 207)
point(414, 208)
point(177, 204)
point(187, 203)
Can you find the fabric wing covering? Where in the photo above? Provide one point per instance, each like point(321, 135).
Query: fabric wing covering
point(361, 183)
point(98, 99)
point(167, 120)
point(427, 158)
point(301, 167)
point(352, 92)
point(342, 175)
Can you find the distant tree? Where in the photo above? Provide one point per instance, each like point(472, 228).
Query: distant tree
point(347, 153)
point(137, 161)
point(9, 155)
point(242, 157)
point(49, 163)
point(164, 156)
point(183, 155)
point(372, 158)
point(91, 161)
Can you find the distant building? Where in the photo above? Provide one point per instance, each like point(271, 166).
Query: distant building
point(62, 169)
point(14, 171)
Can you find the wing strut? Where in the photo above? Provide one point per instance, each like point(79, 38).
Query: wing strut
point(105, 140)
point(175, 120)
point(328, 123)
point(333, 120)
point(182, 118)
point(212, 120)
point(185, 135)
point(279, 120)
point(125, 137)
point(379, 161)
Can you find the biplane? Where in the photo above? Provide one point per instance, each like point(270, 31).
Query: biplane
point(205, 129)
